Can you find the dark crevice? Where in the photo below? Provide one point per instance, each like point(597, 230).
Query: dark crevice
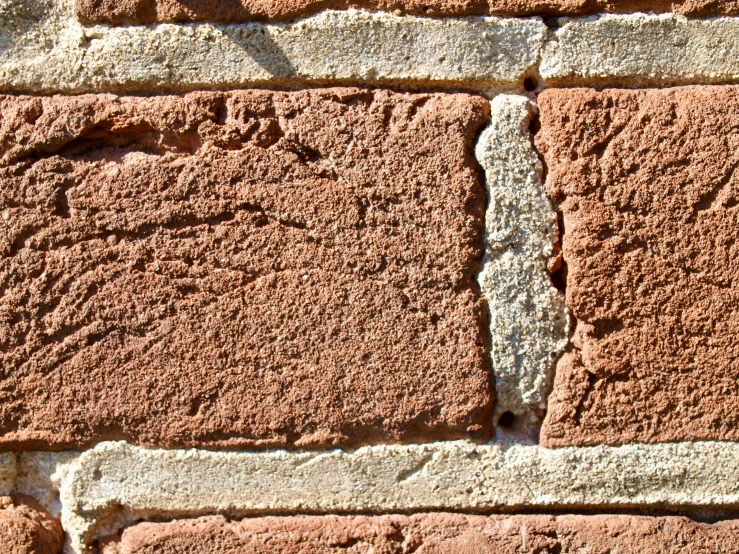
point(558, 265)
point(507, 420)
point(305, 153)
point(221, 109)
point(592, 381)
point(61, 200)
point(534, 125)
point(476, 207)
point(552, 23)
point(530, 84)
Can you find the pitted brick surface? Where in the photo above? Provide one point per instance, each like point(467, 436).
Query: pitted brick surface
point(437, 533)
point(151, 11)
point(26, 528)
point(647, 184)
point(249, 268)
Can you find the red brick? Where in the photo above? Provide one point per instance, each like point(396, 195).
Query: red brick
point(647, 184)
point(241, 269)
point(26, 528)
point(151, 11)
point(429, 533)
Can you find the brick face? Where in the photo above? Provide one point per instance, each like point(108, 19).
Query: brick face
point(241, 269)
point(647, 185)
point(150, 11)
point(437, 533)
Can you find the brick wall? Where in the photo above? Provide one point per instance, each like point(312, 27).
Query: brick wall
point(449, 276)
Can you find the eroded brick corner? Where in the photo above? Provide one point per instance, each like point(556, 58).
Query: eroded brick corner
point(646, 181)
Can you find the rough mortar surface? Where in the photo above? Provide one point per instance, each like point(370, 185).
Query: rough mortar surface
point(528, 322)
point(641, 49)
point(39, 475)
point(26, 528)
point(8, 472)
point(45, 49)
point(648, 186)
point(436, 532)
point(242, 269)
point(148, 11)
point(116, 484)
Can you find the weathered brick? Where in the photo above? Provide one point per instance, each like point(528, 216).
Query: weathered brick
point(151, 11)
point(438, 533)
point(249, 268)
point(647, 185)
point(26, 528)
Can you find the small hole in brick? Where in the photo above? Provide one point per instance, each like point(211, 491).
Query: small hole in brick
point(506, 420)
point(530, 84)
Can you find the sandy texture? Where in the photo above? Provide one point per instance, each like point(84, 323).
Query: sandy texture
point(528, 322)
point(26, 528)
point(641, 49)
point(116, 484)
point(152, 11)
point(250, 268)
point(430, 533)
point(8, 472)
point(46, 49)
point(647, 184)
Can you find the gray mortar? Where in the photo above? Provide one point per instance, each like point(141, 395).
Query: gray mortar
point(641, 50)
point(116, 484)
point(44, 49)
point(529, 322)
point(50, 51)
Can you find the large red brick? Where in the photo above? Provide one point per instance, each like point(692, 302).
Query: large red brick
point(429, 533)
point(26, 528)
point(241, 269)
point(647, 184)
point(151, 11)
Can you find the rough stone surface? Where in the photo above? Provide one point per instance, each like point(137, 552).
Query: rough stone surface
point(438, 533)
point(241, 269)
point(151, 11)
point(26, 528)
point(641, 49)
point(116, 484)
point(648, 186)
point(45, 49)
point(528, 323)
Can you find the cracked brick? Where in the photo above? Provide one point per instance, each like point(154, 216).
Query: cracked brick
point(241, 269)
point(647, 185)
